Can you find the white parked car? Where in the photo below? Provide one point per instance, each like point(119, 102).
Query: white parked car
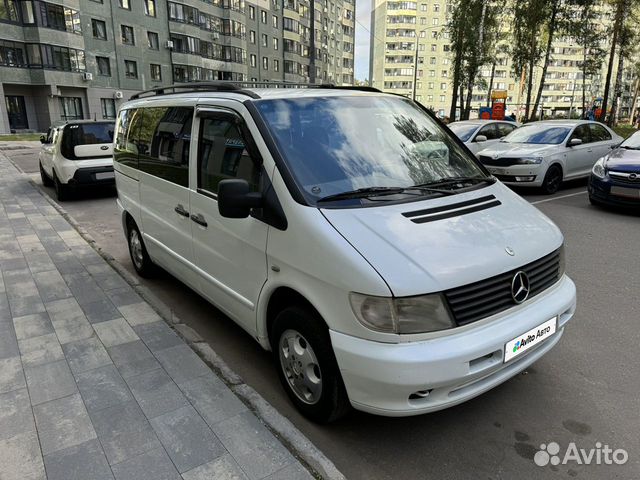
point(349, 233)
point(480, 134)
point(544, 154)
point(76, 154)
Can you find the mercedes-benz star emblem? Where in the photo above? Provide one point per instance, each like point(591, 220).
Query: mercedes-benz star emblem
point(510, 251)
point(520, 287)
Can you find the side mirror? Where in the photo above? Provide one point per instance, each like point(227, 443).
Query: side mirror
point(480, 139)
point(43, 139)
point(235, 198)
point(574, 142)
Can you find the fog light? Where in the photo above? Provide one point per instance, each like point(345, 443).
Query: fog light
point(419, 395)
point(526, 179)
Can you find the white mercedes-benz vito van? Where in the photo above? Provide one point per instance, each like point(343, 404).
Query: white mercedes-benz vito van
point(349, 232)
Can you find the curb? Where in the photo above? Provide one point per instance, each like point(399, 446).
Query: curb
point(282, 428)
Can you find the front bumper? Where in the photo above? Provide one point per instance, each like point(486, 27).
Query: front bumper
point(381, 377)
point(600, 191)
point(520, 175)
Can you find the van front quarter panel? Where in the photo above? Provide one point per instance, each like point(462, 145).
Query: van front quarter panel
point(313, 259)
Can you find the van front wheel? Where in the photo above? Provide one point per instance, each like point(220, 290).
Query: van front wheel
point(139, 257)
point(307, 366)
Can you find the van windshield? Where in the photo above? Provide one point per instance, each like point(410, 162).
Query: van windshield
point(334, 145)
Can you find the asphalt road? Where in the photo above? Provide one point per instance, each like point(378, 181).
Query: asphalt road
point(586, 390)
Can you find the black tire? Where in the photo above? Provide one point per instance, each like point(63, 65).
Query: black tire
point(331, 401)
point(62, 190)
point(138, 252)
point(552, 180)
point(46, 181)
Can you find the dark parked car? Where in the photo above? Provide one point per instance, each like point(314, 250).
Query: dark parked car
point(615, 178)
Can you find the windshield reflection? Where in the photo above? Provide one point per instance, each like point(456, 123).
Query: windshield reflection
point(339, 144)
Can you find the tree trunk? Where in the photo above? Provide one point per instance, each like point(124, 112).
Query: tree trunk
point(456, 81)
point(632, 120)
point(617, 90)
point(467, 107)
point(552, 30)
point(527, 109)
point(462, 102)
point(584, 84)
point(493, 74)
point(616, 29)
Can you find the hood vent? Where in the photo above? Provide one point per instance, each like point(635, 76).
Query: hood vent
point(453, 210)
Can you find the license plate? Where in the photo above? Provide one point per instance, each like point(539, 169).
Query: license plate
point(529, 339)
point(626, 192)
point(104, 175)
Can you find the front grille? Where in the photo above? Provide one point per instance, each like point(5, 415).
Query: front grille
point(623, 177)
point(482, 299)
point(499, 162)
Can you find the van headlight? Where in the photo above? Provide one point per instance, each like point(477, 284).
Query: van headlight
point(598, 169)
point(421, 314)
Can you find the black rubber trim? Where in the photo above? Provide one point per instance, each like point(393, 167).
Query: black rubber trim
point(458, 213)
point(427, 211)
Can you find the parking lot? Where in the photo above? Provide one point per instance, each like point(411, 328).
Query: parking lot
point(587, 390)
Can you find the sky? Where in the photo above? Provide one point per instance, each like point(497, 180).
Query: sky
point(363, 17)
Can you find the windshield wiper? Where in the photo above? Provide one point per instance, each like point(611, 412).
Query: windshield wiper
point(363, 193)
point(382, 191)
point(454, 180)
point(627, 147)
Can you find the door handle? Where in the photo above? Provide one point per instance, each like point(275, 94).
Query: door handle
point(181, 211)
point(199, 219)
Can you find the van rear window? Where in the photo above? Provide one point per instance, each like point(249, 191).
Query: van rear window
point(85, 134)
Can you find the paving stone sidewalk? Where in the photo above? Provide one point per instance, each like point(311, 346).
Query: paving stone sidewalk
point(93, 383)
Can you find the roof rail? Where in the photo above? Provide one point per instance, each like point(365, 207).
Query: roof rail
point(238, 87)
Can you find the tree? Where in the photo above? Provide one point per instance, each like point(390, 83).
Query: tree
point(621, 7)
point(554, 25)
point(468, 23)
point(587, 34)
point(529, 18)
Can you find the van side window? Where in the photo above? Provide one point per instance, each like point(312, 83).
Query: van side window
point(125, 148)
point(222, 154)
point(163, 144)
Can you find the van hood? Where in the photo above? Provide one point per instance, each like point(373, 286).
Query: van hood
point(517, 150)
point(434, 245)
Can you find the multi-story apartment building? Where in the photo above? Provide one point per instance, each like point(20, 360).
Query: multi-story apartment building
point(71, 59)
point(409, 33)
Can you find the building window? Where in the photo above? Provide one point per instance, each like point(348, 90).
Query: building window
point(265, 63)
point(423, 7)
point(71, 108)
point(104, 66)
point(274, 21)
point(108, 107)
point(276, 65)
point(130, 69)
point(128, 37)
point(99, 29)
point(252, 12)
point(150, 8)
point(152, 41)
point(263, 16)
point(252, 36)
point(265, 40)
point(156, 72)
point(125, 4)
point(253, 60)
point(436, 7)
point(48, 15)
point(9, 11)
point(276, 43)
